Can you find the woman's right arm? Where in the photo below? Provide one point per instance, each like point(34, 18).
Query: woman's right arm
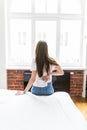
point(57, 71)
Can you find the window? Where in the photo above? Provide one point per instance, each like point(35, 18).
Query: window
point(43, 32)
point(70, 42)
point(46, 6)
point(70, 7)
point(19, 6)
point(59, 22)
point(20, 41)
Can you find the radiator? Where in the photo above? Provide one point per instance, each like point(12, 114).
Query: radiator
point(60, 83)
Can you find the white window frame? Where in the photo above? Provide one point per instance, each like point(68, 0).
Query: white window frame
point(35, 17)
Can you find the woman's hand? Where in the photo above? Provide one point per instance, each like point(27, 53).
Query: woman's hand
point(46, 78)
point(19, 93)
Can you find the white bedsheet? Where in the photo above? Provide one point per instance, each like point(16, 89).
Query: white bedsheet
point(30, 112)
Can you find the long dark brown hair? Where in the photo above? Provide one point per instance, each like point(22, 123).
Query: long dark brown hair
point(42, 58)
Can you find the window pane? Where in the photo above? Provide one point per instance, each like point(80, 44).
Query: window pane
point(20, 41)
point(70, 6)
point(46, 6)
point(70, 42)
point(19, 5)
point(46, 30)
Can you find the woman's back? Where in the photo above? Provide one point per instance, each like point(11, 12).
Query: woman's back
point(40, 82)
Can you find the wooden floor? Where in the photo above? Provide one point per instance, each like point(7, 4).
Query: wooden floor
point(81, 104)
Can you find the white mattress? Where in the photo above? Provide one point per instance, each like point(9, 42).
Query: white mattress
point(30, 112)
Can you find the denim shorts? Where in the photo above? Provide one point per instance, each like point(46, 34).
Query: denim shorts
point(48, 90)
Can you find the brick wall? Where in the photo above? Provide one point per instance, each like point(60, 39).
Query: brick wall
point(76, 83)
point(15, 81)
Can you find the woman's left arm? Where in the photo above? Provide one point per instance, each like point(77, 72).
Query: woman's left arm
point(29, 85)
point(30, 82)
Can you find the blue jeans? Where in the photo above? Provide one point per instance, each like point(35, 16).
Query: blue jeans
point(48, 90)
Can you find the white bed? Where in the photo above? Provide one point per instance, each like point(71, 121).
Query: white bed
point(30, 112)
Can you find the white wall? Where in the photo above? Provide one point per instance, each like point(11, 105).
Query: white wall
point(85, 33)
point(3, 76)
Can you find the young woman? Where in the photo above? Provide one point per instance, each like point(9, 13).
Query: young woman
point(43, 67)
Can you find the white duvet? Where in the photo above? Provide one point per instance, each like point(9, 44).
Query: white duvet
point(30, 112)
